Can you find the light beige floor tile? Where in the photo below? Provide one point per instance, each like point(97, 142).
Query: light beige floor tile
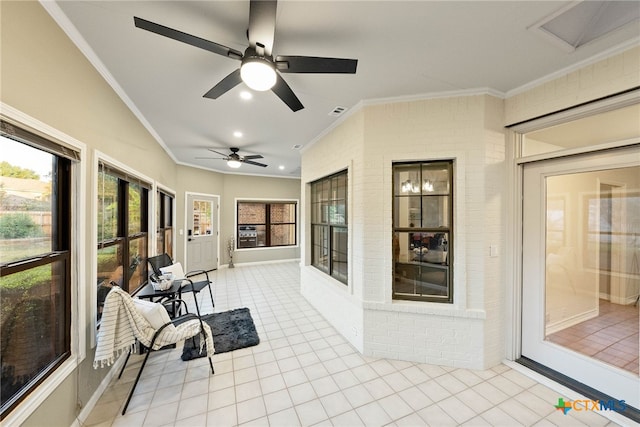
point(288, 417)
point(348, 419)
point(395, 407)
point(277, 401)
point(311, 413)
point(372, 415)
point(335, 404)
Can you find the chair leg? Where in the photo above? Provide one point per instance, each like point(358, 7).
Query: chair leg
point(213, 304)
point(125, 364)
point(211, 364)
point(144, 362)
point(195, 301)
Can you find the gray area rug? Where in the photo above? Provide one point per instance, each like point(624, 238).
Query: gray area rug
point(232, 330)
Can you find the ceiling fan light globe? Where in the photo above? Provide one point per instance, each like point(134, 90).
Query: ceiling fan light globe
point(258, 73)
point(233, 164)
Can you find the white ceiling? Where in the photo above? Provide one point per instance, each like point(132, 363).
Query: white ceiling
point(405, 49)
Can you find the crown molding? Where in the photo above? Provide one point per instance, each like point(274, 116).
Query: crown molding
point(72, 32)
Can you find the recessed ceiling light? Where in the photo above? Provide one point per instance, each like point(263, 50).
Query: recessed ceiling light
point(237, 134)
point(281, 167)
point(246, 95)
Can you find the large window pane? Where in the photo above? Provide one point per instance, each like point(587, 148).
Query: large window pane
point(107, 206)
point(329, 230)
point(266, 224)
point(251, 213)
point(282, 235)
point(135, 209)
point(25, 201)
point(33, 307)
point(339, 253)
point(137, 255)
point(35, 254)
point(422, 219)
point(202, 217)
point(122, 232)
point(109, 271)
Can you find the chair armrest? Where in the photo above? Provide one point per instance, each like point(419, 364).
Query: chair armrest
point(176, 301)
point(197, 272)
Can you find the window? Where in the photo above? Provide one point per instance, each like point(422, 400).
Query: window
point(35, 263)
point(122, 232)
point(164, 219)
point(266, 224)
point(422, 231)
point(329, 227)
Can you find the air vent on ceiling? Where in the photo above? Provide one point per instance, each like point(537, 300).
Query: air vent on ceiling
point(337, 111)
point(579, 23)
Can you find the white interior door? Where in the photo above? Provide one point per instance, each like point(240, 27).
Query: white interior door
point(202, 232)
point(564, 235)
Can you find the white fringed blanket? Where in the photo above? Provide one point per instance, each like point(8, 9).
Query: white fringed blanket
point(122, 324)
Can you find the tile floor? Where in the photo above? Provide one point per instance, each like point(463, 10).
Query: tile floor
point(611, 337)
point(304, 373)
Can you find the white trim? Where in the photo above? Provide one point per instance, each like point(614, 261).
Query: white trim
point(72, 32)
point(436, 95)
point(24, 410)
point(578, 150)
point(101, 157)
point(97, 394)
point(186, 224)
point(629, 44)
point(274, 261)
point(78, 295)
point(161, 187)
point(574, 113)
point(405, 98)
point(260, 199)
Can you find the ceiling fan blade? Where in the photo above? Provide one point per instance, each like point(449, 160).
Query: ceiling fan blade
point(226, 84)
point(262, 24)
point(252, 156)
point(284, 92)
point(210, 158)
point(217, 152)
point(187, 38)
point(314, 64)
point(250, 162)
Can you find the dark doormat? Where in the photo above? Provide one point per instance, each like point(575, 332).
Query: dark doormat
point(232, 330)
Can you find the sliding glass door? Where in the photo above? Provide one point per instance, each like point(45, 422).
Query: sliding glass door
point(581, 247)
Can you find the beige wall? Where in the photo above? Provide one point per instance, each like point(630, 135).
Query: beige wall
point(44, 76)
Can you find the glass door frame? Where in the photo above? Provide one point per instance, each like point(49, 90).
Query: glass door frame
point(605, 378)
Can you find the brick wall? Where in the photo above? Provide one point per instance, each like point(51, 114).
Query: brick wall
point(466, 129)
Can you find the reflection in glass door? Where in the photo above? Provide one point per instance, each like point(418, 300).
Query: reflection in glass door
point(581, 238)
point(592, 265)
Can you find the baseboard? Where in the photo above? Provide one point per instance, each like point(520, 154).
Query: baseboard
point(275, 261)
point(571, 321)
point(91, 403)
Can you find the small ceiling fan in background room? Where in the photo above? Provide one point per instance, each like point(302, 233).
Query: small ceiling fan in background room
point(235, 160)
point(259, 68)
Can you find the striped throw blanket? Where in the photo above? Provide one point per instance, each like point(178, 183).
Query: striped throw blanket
point(122, 324)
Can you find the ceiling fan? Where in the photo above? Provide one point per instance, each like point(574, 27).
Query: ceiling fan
point(259, 67)
point(234, 160)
